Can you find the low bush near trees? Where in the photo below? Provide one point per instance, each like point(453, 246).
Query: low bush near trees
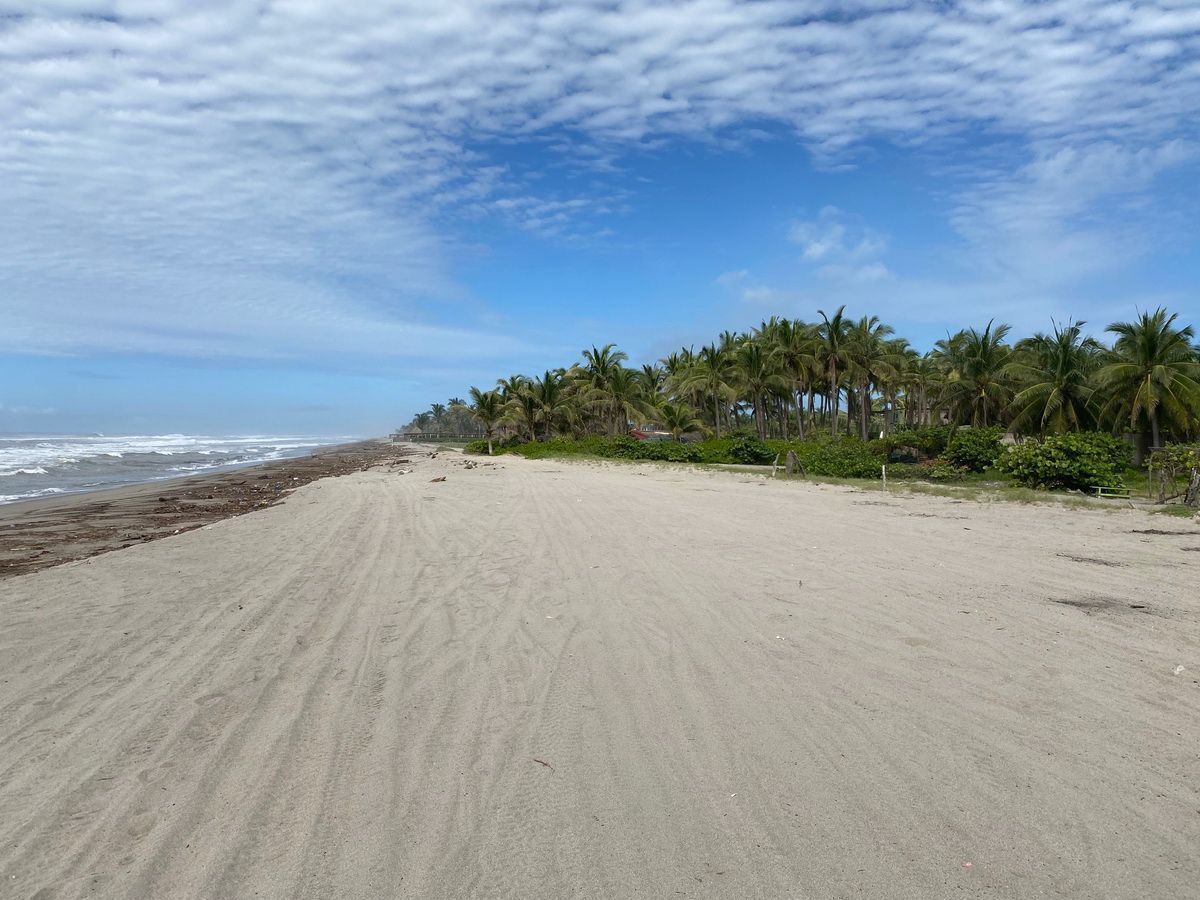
point(975, 449)
point(841, 458)
point(935, 470)
point(750, 451)
point(1072, 461)
point(930, 442)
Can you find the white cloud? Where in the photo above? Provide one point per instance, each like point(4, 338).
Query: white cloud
point(844, 248)
point(1070, 213)
point(288, 178)
point(836, 235)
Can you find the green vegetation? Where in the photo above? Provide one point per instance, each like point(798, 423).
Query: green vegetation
point(847, 396)
point(1073, 461)
point(974, 449)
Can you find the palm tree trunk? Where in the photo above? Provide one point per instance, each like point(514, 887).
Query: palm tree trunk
point(1154, 436)
point(799, 415)
point(865, 410)
point(717, 413)
point(833, 398)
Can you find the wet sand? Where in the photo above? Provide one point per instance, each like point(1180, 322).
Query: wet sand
point(37, 534)
point(545, 679)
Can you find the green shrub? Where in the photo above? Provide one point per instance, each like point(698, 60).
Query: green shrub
point(479, 446)
point(934, 470)
point(975, 449)
point(669, 451)
point(843, 458)
point(926, 441)
point(715, 450)
point(1073, 461)
point(751, 451)
point(620, 447)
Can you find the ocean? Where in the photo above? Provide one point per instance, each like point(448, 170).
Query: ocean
point(39, 465)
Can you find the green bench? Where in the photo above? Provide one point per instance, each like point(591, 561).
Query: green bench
point(1116, 493)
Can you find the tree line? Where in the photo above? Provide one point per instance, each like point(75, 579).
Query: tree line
point(793, 379)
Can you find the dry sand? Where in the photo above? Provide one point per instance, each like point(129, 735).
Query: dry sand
point(543, 679)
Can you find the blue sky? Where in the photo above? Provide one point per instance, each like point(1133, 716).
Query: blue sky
point(317, 217)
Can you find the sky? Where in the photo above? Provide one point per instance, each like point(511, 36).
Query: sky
point(248, 216)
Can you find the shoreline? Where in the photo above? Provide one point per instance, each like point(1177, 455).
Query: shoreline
point(41, 532)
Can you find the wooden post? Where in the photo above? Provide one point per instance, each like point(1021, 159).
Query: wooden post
point(884, 477)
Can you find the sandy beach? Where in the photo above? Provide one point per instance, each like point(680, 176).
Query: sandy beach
point(544, 679)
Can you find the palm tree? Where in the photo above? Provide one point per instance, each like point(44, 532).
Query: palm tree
point(798, 355)
point(871, 360)
point(678, 418)
point(510, 386)
point(1053, 373)
point(623, 397)
point(834, 357)
point(488, 408)
point(550, 397)
point(901, 359)
point(422, 420)
point(758, 374)
point(712, 375)
point(1152, 374)
point(651, 379)
point(975, 387)
point(599, 366)
point(438, 411)
point(522, 404)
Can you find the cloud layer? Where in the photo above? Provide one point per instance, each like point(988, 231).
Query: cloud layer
point(259, 178)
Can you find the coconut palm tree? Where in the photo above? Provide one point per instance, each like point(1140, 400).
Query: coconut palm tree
point(758, 374)
point(522, 405)
point(511, 385)
point(1053, 374)
point(599, 366)
point(678, 418)
point(1152, 374)
point(438, 411)
point(488, 408)
point(550, 396)
point(625, 398)
point(711, 375)
point(975, 387)
point(651, 378)
point(901, 357)
point(834, 355)
point(871, 360)
point(797, 346)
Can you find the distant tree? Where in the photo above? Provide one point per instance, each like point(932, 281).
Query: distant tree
point(550, 397)
point(678, 418)
point(833, 352)
point(488, 408)
point(758, 374)
point(1152, 374)
point(712, 375)
point(1054, 387)
point(975, 386)
point(438, 411)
